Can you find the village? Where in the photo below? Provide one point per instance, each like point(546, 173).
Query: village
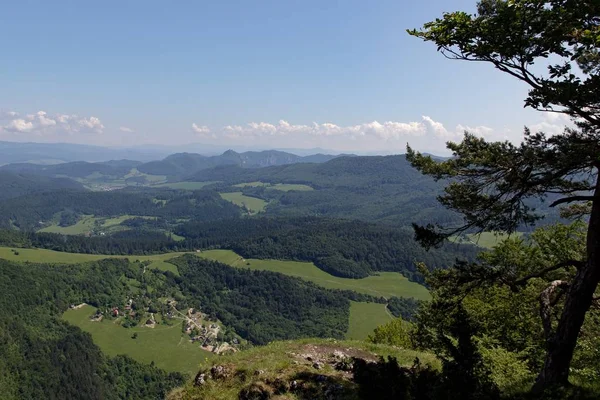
point(199, 327)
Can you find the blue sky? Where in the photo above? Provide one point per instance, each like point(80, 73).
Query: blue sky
point(341, 75)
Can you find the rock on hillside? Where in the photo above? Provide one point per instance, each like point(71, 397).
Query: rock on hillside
point(307, 369)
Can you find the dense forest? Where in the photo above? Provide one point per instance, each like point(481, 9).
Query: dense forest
point(344, 248)
point(43, 357)
point(26, 212)
point(19, 184)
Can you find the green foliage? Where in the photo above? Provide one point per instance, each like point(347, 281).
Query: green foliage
point(508, 369)
point(405, 307)
point(262, 306)
point(394, 333)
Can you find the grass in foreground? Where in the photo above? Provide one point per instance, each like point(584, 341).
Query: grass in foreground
point(165, 345)
point(279, 363)
point(364, 318)
point(252, 204)
point(386, 284)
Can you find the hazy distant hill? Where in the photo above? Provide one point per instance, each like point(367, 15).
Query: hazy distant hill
point(52, 153)
point(77, 169)
point(175, 166)
point(187, 164)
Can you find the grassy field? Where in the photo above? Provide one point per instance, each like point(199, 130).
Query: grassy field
point(251, 184)
point(486, 240)
point(286, 187)
point(165, 345)
point(253, 204)
point(158, 261)
point(385, 284)
point(364, 318)
point(185, 185)
point(84, 225)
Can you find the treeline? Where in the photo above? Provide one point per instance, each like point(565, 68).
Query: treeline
point(27, 212)
point(42, 357)
point(403, 307)
point(350, 249)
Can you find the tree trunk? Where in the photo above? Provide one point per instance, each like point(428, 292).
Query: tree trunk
point(579, 299)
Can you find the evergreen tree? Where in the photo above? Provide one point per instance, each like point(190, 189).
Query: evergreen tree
point(491, 182)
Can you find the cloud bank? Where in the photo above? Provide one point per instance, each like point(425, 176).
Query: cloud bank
point(41, 123)
point(387, 131)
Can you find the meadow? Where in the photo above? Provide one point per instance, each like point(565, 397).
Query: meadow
point(252, 204)
point(87, 223)
point(164, 344)
point(83, 226)
point(158, 261)
point(285, 187)
point(386, 284)
point(486, 240)
point(364, 318)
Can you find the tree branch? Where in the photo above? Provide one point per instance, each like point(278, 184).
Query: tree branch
point(574, 198)
point(563, 264)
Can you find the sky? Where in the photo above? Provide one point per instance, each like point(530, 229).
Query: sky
point(339, 75)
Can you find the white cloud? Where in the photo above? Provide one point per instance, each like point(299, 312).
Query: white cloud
point(19, 125)
point(386, 130)
point(200, 130)
point(40, 123)
point(440, 130)
point(552, 124)
point(126, 129)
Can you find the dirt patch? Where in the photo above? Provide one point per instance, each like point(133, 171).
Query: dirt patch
point(335, 351)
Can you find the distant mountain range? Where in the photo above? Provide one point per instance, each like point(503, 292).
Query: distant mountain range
point(55, 153)
point(175, 166)
point(187, 164)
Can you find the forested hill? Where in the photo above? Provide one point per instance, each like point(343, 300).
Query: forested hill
point(383, 189)
point(19, 184)
point(187, 164)
point(345, 171)
point(27, 212)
